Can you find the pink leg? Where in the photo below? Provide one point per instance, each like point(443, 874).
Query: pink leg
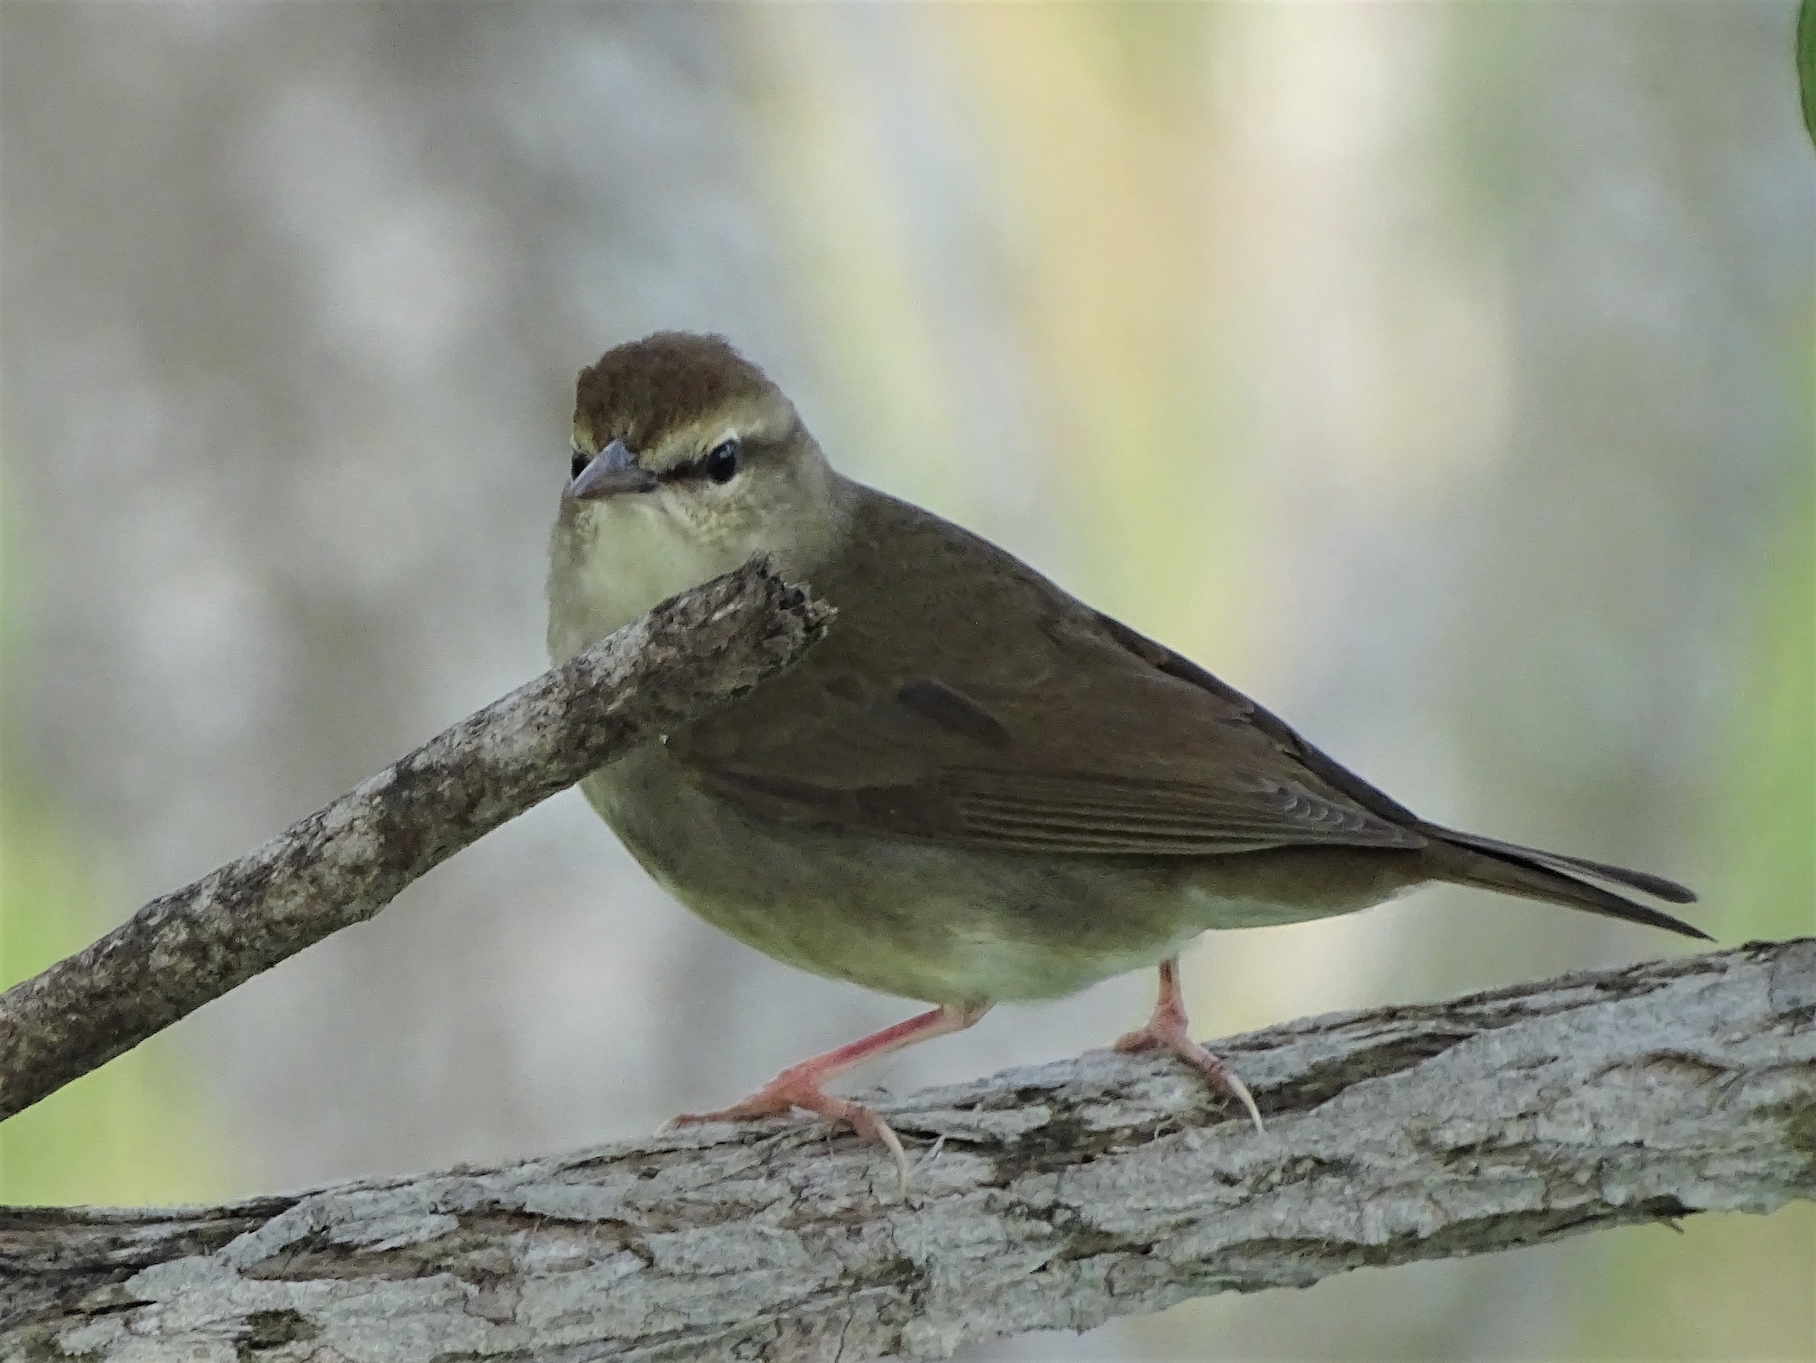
point(799, 1086)
point(1167, 1029)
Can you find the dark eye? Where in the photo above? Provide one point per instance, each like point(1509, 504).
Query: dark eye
point(722, 461)
point(578, 466)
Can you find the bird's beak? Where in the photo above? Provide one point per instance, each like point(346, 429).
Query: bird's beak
point(613, 470)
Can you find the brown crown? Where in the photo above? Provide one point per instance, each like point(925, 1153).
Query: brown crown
point(641, 391)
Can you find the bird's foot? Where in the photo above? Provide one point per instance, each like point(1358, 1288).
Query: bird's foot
point(800, 1088)
point(1212, 1067)
point(800, 1085)
point(1166, 1030)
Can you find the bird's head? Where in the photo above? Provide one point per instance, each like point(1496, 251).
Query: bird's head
point(686, 461)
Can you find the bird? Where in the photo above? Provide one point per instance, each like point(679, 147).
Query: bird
point(976, 789)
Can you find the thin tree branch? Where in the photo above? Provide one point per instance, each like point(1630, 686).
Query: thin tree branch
point(1055, 1197)
point(345, 862)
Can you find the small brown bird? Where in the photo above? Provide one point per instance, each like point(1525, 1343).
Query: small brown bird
point(977, 788)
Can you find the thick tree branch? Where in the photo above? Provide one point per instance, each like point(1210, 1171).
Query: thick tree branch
point(1050, 1197)
point(346, 861)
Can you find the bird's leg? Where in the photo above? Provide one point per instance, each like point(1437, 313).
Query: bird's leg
point(1167, 1030)
point(799, 1086)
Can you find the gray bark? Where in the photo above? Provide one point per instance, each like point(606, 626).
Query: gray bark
point(345, 862)
point(1054, 1197)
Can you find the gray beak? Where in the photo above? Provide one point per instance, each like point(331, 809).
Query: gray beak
point(613, 470)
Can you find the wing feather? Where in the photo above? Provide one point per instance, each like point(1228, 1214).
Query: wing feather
point(1051, 728)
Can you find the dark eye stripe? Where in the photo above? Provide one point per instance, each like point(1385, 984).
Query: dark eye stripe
point(696, 468)
point(683, 472)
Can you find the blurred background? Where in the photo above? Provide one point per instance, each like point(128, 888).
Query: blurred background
point(1440, 375)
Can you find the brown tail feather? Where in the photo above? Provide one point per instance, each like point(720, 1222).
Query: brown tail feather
point(1668, 890)
point(1532, 874)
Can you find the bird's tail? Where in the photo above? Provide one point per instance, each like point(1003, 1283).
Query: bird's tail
point(1557, 879)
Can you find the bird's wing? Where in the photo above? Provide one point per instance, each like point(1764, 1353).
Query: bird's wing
point(1087, 740)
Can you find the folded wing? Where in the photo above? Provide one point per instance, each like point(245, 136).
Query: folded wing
point(1091, 749)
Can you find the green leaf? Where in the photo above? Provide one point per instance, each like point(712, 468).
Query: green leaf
point(1806, 62)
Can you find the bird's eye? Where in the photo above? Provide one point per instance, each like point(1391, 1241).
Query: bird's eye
point(722, 460)
point(578, 465)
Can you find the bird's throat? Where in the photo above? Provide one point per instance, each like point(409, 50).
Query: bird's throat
point(610, 564)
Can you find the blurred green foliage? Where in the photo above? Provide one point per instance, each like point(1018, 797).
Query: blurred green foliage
point(1806, 62)
point(1771, 809)
point(1733, 1286)
point(132, 1131)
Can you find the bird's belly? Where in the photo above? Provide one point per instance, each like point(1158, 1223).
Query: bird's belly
point(944, 923)
point(915, 920)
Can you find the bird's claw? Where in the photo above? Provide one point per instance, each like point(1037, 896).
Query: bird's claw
point(786, 1093)
point(1161, 1034)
